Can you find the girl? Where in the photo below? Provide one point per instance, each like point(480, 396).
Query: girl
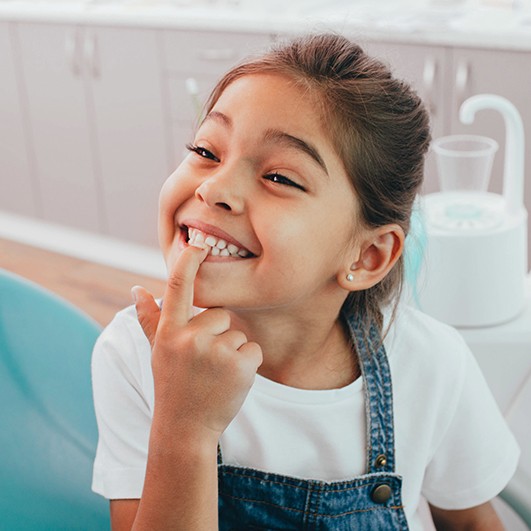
point(304, 396)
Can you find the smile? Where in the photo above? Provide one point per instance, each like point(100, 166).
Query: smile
point(218, 246)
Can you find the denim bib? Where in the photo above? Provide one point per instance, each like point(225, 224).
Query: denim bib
point(252, 499)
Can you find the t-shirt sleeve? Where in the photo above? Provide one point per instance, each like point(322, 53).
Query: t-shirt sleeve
point(477, 454)
point(121, 399)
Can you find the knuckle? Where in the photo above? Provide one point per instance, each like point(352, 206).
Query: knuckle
point(239, 336)
point(165, 329)
point(176, 280)
point(222, 316)
point(225, 350)
point(255, 350)
point(195, 340)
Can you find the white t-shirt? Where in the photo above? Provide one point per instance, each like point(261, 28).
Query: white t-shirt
point(452, 444)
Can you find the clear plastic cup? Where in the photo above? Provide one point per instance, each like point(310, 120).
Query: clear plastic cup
point(464, 162)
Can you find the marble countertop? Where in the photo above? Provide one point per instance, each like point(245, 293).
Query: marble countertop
point(480, 27)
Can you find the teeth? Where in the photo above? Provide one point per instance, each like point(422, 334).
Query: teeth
point(233, 250)
point(210, 240)
point(197, 237)
point(218, 246)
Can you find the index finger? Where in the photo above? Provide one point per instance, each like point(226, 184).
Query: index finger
point(179, 292)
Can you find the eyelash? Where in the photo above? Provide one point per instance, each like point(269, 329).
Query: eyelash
point(202, 152)
point(273, 177)
point(281, 179)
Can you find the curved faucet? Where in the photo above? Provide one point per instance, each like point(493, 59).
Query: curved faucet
point(513, 173)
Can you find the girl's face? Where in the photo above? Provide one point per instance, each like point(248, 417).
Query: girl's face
point(263, 177)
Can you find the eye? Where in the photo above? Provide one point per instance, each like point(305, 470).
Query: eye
point(202, 152)
point(281, 179)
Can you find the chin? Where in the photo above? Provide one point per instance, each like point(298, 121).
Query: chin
point(215, 300)
point(208, 299)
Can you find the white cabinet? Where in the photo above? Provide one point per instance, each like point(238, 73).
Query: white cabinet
point(506, 73)
point(425, 67)
point(95, 109)
point(18, 192)
point(195, 60)
point(445, 77)
point(95, 118)
point(129, 121)
point(63, 144)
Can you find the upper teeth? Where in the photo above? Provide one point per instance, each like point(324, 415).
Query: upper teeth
point(218, 246)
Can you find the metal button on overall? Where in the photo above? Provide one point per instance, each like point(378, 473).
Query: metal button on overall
point(381, 493)
point(380, 461)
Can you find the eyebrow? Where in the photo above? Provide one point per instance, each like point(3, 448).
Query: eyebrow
point(275, 135)
point(296, 143)
point(218, 117)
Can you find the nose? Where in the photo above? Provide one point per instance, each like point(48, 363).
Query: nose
point(222, 191)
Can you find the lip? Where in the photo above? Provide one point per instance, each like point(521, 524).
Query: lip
point(214, 231)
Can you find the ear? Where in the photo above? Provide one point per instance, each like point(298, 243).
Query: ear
point(378, 253)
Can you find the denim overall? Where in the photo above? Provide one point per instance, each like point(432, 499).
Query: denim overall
point(251, 499)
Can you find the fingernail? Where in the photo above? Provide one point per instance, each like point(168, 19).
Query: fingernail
point(135, 293)
point(199, 245)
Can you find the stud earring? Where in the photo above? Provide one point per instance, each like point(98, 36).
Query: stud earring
point(350, 277)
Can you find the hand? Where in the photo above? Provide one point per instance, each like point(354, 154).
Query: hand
point(202, 369)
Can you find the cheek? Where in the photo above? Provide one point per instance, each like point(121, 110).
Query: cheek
point(318, 230)
point(173, 194)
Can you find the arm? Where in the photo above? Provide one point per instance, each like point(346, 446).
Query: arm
point(123, 514)
point(480, 518)
point(181, 485)
point(195, 362)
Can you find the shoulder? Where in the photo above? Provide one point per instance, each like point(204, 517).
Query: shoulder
point(124, 324)
point(430, 366)
point(123, 402)
point(452, 441)
point(426, 343)
point(122, 348)
point(123, 331)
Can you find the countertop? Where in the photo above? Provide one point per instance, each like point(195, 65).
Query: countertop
point(478, 27)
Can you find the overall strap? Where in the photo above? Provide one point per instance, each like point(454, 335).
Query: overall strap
point(378, 394)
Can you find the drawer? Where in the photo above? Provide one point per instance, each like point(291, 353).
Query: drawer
point(197, 52)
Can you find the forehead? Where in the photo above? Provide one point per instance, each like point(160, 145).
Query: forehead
point(273, 100)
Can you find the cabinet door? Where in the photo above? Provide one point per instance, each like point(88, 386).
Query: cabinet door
point(424, 67)
point(18, 192)
point(125, 71)
point(59, 128)
point(194, 61)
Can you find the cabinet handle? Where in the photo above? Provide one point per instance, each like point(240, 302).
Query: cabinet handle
point(217, 54)
point(71, 51)
point(461, 81)
point(428, 79)
point(91, 54)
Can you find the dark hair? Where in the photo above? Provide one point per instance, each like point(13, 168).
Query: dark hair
point(378, 124)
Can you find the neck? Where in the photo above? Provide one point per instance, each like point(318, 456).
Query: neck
point(309, 350)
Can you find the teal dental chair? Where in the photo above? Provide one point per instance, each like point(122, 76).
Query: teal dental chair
point(48, 431)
